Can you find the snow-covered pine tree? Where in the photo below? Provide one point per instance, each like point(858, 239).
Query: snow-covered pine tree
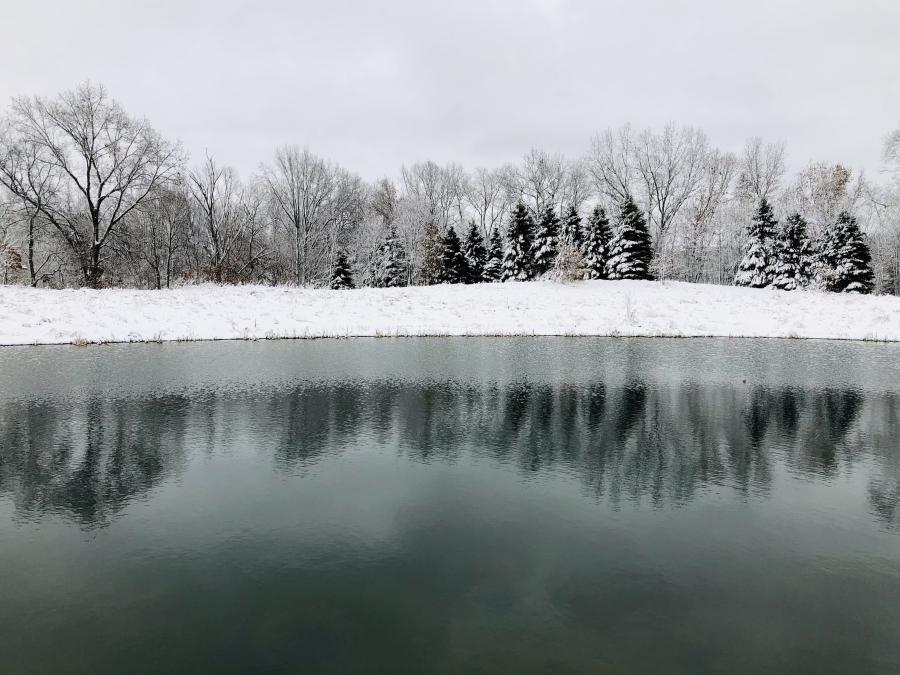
point(792, 253)
point(341, 276)
point(571, 228)
point(546, 241)
point(630, 251)
point(493, 268)
point(756, 269)
point(390, 269)
point(432, 254)
point(844, 258)
point(454, 269)
point(475, 253)
point(596, 244)
point(517, 257)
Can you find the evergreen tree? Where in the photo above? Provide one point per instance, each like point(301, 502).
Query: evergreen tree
point(844, 258)
point(571, 228)
point(390, 263)
point(517, 258)
point(630, 251)
point(341, 276)
point(493, 268)
point(596, 244)
point(756, 268)
point(454, 269)
point(476, 254)
point(432, 254)
point(792, 254)
point(546, 241)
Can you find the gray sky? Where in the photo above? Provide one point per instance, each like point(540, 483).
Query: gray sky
point(374, 85)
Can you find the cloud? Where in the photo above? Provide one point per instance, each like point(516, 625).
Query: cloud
point(374, 85)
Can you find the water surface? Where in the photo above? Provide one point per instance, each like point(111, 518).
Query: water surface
point(451, 505)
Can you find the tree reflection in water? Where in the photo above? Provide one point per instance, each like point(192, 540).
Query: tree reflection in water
point(634, 442)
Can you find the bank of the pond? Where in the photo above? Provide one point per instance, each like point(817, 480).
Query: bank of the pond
point(596, 308)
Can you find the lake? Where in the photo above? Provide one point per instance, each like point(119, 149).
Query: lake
point(451, 505)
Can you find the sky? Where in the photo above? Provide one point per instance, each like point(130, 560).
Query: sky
point(374, 85)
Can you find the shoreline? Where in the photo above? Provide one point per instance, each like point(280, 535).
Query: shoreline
point(110, 343)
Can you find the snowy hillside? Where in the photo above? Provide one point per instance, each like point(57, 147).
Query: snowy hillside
point(636, 308)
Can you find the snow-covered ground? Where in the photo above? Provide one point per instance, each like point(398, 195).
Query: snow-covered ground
point(29, 316)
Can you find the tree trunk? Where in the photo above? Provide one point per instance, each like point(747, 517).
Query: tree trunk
point(31, 271)
point(93, 272)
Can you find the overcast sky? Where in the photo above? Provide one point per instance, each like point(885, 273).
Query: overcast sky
point(374, 85)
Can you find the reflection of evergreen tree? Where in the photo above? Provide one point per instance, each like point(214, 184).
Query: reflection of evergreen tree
point(631, 406)
point(884, 498)
point(757, 417)
point(789, 405)
point(303, 435)
point(596, 403)
point(832, 414)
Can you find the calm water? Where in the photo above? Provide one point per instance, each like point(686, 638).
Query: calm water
point(450, 506)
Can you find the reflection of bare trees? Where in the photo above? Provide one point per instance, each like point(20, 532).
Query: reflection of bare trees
point(91, 460)
point(628, 443)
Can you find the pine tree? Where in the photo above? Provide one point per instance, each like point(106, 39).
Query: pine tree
point(630, 251)
point(390, 270)
point(546, 241)
point(341, 276)
point(432, 254)
point(596, 244)
point(756, 268)
point(475, 253)
point(517, 258)
point(855, 271)
point(571, 228)
point(493, 268)
point(454, 269)
point(844, 258)
point(792, 255)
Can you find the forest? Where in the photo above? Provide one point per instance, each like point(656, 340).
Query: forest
point(94, 196)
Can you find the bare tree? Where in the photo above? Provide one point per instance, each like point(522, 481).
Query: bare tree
point(257, 241)
point(11, 265)
point(892, 150)
point(762, 168)
point(347, 209)
point(160, 234)
point(99, 163)
point(542, 180)
point(577, 188)
point(611, 163)
point(385, 200)
point(702, 210)
point(35, 183)
point(821, 191)
point(216, 193)
point(879, 208)
point(486, 196)
point(670, 166)
point(440, 191)
point(303, 188)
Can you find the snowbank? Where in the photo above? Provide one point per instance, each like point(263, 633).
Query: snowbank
point(29, 316)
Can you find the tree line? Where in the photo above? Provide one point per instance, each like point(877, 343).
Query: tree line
point(94, 196)
point(625, 441)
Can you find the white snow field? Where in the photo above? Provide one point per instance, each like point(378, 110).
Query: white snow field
point(601, 308)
